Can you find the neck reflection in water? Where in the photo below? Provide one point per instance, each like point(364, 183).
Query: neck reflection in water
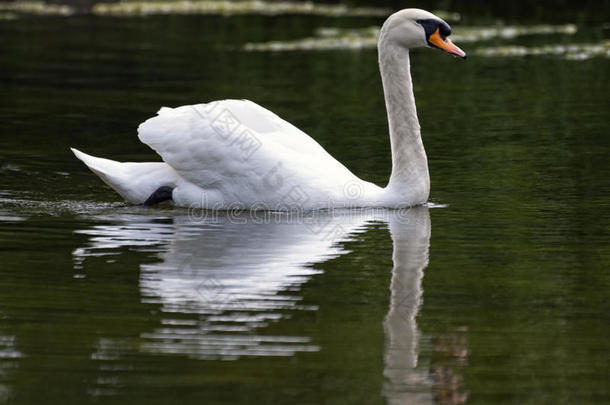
point(403, 380)
point(221, 278)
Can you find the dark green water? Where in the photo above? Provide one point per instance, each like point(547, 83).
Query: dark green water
point(497, 293)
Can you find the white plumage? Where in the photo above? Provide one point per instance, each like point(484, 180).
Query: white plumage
point(236, 154)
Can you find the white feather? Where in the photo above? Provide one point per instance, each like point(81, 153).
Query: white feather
point(237, 152)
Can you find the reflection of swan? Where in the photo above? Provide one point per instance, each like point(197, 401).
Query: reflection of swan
point(222, 278)
point(405, 383)
point(237, 152)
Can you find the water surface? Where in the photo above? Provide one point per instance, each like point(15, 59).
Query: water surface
point(495, 293)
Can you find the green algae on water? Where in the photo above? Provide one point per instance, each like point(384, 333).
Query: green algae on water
point(362, 38)
point(571, 51)
point(34, 7)
point(137, 8)
point(227, 7)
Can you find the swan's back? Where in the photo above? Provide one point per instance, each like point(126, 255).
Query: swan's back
point(236, 150)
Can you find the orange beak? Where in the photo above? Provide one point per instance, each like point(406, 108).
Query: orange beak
point(445, 45)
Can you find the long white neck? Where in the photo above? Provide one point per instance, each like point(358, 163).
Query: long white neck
point(410, 181)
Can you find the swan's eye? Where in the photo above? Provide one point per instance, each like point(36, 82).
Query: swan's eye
point(444, 30)
point(431, 26)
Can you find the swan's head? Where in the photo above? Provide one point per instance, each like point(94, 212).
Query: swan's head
point(415, 28)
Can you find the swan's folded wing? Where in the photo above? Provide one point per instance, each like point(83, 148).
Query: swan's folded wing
point(232, 139)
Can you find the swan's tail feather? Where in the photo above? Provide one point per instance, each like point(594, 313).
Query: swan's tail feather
point(135, 182)
point(106, 169)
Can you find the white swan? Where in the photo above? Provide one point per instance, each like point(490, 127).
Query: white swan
point(236, 154)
